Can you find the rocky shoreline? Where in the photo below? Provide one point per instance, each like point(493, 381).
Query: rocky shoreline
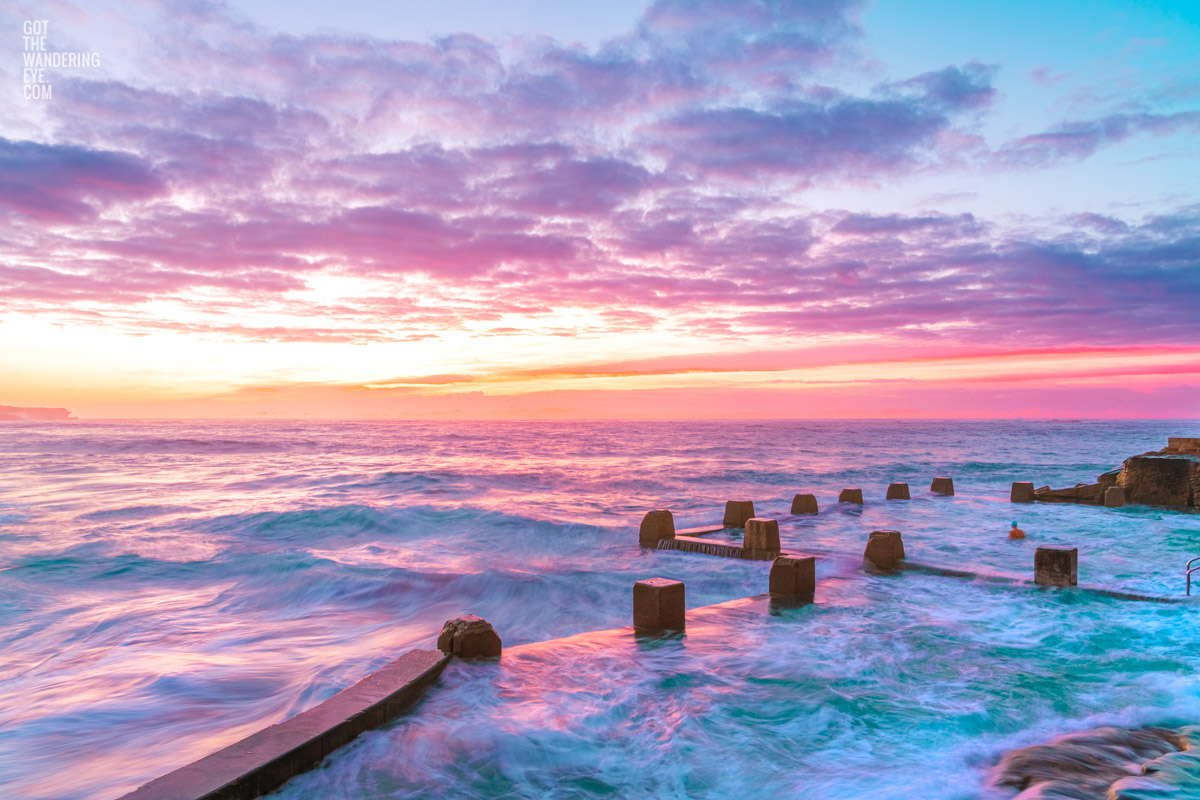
point(1168, 478)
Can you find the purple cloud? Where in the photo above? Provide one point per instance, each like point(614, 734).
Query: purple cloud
point(65, 183)
point(1080, 139)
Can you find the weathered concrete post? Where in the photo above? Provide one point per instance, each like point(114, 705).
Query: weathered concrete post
point(851, 496)
point(793, 577)
point(898, 491)
point(884, 549)
point(1022, 492)
point(658, 604)
point(1054, 567)
point(762, 534)
point(1114, 497)
point(804, 504)
point(737, 512)
point(942, 486)
point(469, 637)
point(659, 524)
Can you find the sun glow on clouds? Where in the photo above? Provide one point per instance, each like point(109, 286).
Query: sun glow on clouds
point(717, 212)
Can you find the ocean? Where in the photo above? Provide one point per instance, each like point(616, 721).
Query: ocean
point(167, 588)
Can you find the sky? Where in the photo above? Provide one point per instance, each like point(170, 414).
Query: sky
point(667, 209)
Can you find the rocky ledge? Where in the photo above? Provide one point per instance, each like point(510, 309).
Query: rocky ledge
point(1106, 764)
point(1169, 478)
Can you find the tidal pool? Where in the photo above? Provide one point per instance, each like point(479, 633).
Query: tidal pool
point(904, 686)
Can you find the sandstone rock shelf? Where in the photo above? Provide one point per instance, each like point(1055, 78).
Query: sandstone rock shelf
point(1168, 478)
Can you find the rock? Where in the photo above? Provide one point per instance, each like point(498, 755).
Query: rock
point(1169, 478)
point(942, 486)
point(1022, 492)
point(884, 549)
point(659, 524)
point(851, 496)
point(658, 604)
point(804, 504)
point(1056, 567)
point(761, 534)
point(469, 637)
point(1185, 445)
point(737, 512)
point(897, 491)
point(1085, 765)
point(793, 577)
point(1114, 497)
point(1172, 481)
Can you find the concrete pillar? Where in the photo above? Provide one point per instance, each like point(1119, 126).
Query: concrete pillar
point(793, 577)
point(1114, 497)
point(1022, 492)
point(942, 486)
point(851, 496)
point(804, 504)
point(761, 534)
point(737, 512)
point(469, 637)
point(658, 604)
point(1052, 567)
point(659, 524)
point(884, 549)
point(897, 491)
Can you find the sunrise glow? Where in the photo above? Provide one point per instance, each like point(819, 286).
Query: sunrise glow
point(668, 209)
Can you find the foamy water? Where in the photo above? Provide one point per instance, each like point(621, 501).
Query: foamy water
point(167, 588)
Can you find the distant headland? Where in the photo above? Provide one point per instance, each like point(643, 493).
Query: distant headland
point(14, 414)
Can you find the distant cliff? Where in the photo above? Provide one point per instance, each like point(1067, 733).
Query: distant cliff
point(14, 414)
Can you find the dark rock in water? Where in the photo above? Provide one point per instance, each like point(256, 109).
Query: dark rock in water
point(1169, 478)
point(1087, 765)
point(469, 637)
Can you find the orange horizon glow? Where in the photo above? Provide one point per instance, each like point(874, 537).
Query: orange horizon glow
point(1102, 382)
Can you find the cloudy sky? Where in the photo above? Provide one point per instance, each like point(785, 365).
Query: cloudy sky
point(684, 208)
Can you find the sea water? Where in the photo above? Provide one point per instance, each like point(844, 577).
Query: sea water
point(167, 588)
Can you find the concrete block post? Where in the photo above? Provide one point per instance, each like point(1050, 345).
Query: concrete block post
point(942, 486)
point(793, 577)
point(658, 604)
point(851, 496)
point(1114, 497)
point(658, 524)
point(762, 534)
point(1022, 492)
point(469, 637)
point(884, 549)
point(898, 491)
point(804, 504)
point(737, 512)
point(1053, 567)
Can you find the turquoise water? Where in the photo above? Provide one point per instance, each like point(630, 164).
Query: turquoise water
point(885, 687)
point(167, 588)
